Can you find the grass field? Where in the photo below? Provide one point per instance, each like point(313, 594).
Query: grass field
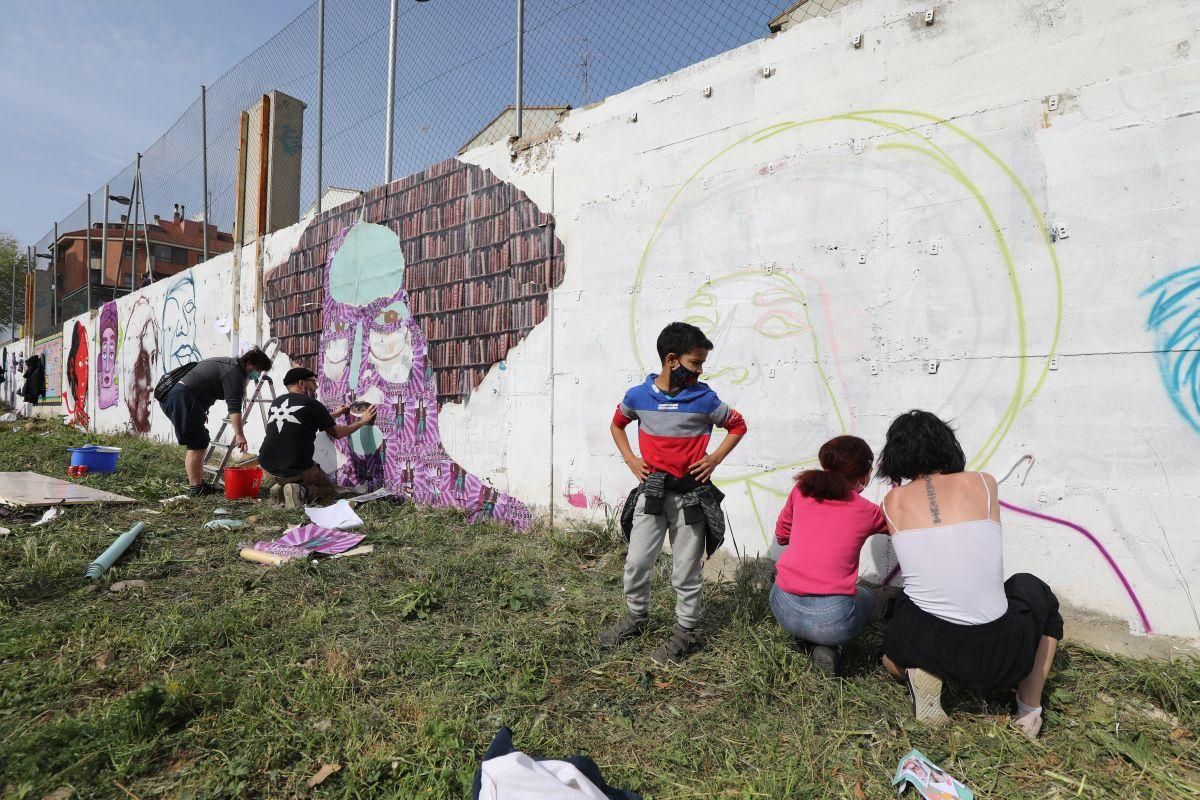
point(223, 678)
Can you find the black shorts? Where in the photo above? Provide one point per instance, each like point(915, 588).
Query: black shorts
point(990, 657)
point(189, 419)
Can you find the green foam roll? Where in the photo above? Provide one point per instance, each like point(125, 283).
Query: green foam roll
point(114, 551)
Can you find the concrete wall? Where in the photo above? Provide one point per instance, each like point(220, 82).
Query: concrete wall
point(988, 217)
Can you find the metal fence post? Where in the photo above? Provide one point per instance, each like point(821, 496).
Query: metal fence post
point(320, 94)
point(391, 95)
point(520, 68)
point(54, 279)
point(12, 306)
point(204, 162)
point(104, 245)
point(87, 256)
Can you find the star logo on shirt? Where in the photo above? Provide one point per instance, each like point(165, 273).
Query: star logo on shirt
point(282, 413)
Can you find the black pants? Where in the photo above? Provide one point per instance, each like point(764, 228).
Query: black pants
point(990, 657)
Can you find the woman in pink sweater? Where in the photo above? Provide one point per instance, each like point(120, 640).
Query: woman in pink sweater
point(823, 525)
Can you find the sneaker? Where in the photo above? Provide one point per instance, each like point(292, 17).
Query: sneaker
point(926, 693)
point(275, 494)
point(630, 627)
point(1029, 725)
point(293, 496)
point(675, 649)
point(203, 490)
point(827, 660)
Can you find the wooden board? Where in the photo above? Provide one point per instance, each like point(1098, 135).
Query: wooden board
point(32, 489)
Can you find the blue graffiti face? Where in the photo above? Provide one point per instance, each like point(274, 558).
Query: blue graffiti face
point(1175, 322)
point(179, 325)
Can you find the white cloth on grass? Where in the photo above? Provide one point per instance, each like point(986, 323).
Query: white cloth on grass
point(516, 776)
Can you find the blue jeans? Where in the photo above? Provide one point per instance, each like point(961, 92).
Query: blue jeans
point(829, 620)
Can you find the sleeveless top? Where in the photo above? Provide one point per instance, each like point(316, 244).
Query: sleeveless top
point(955, 572)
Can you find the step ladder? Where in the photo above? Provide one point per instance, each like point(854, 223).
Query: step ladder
point(220, 452)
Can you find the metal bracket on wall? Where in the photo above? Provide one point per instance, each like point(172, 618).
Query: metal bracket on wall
point(857, 42)
point(929, 16)
point(932, 366)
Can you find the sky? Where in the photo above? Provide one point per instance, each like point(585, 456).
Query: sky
point(85, 85)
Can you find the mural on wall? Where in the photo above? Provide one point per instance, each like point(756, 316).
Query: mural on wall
point(77, 368)
point(51, 351)
point(107, 383)
point(408, 308)
point(179, 324)
point(141, 354)
point(779, 314)
point(1175, 322)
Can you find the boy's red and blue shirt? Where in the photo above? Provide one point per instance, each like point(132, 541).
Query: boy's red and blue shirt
point(674, 429)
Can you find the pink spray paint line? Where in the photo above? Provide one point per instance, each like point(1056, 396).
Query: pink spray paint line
point(1137, 604)
point(1096, 543)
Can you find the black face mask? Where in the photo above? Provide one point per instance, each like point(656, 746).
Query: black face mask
point(682, 377)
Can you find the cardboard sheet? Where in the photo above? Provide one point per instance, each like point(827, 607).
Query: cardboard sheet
point(31, 489)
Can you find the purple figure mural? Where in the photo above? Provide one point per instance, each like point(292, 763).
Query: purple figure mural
point(107, 392)
point(373, 351)
point(405, 298)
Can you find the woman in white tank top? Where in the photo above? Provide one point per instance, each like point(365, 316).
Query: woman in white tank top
point(958, 619)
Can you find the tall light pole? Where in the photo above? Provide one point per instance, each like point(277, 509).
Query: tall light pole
point(391, 94)
point(204, 161)
point(520, 68)
point(320, 95)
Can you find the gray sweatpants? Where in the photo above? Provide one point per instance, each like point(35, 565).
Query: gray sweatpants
point(687, 559)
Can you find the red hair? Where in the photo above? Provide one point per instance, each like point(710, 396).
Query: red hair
point(845, 460)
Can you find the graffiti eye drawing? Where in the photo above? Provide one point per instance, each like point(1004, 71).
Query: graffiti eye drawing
point(1175, 323)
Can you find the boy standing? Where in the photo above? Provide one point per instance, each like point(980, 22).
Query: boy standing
point(675, 415)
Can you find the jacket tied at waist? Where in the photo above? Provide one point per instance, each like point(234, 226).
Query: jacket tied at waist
point(701, 503)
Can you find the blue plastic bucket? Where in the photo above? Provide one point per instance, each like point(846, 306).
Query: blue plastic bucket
point(96, 459)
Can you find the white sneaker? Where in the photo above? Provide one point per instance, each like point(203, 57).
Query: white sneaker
point(1029, 725)
point(926, 693)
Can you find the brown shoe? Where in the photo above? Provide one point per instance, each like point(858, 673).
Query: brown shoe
point(675, 649)
point(630, 627)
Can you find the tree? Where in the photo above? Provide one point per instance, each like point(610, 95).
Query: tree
point(12, 259)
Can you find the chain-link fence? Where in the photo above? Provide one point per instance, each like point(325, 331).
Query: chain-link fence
point(455, 86)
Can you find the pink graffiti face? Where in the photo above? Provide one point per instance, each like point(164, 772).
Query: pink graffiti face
point(106, 360)
point(108, 357)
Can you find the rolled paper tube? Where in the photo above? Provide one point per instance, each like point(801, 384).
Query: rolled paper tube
point(258, 556)
point(114, 551)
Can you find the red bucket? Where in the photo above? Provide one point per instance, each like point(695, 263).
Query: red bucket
point(242, 482)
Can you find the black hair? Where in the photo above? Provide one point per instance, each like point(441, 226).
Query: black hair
point(76, 341)
point(920, 443)
point(845, 460)
point(257, 359)
point(681, 338)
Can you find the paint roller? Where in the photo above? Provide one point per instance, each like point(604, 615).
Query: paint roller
point(259, 557)
point(114, 551)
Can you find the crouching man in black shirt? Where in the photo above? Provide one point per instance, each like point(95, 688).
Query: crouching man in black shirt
point(287, 451)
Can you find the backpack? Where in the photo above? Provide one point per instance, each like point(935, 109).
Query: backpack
point(167, 382)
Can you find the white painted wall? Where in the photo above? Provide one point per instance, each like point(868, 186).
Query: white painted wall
point(832, 251)
point(846, 212)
